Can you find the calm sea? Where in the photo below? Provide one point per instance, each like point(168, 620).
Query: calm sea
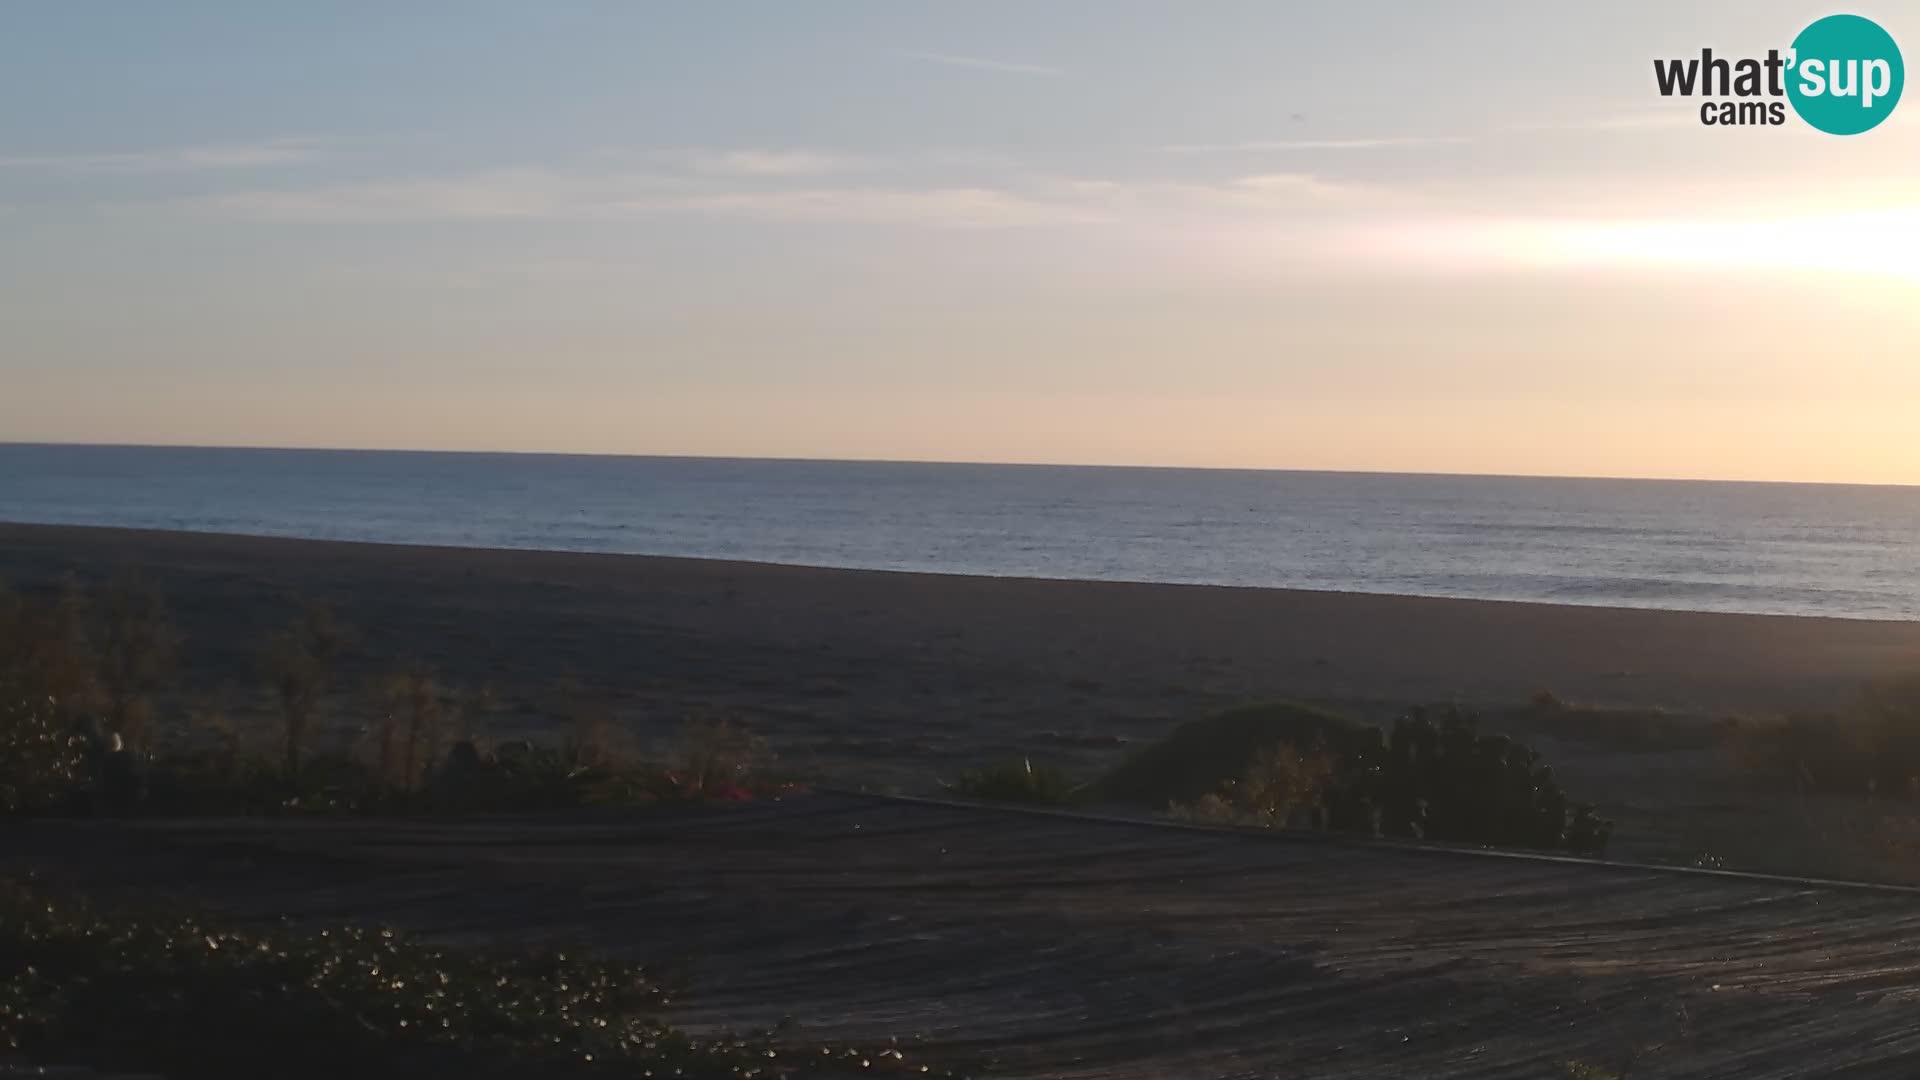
point(1773, 548)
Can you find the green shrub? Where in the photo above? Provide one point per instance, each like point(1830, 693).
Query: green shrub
point(1446, 781)
point(1016, 782)
point(177, 994)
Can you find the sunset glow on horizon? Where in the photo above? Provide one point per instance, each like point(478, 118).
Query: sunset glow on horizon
point(1866, 244)
point(1384, 237)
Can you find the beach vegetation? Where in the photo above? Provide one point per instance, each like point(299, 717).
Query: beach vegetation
point(1017, 782)
point(1200, 756)
point(1871, 748)
point(147, 989)
point(1434, 776)
point(1284, 786)
point(417, 750)
point(719, 758)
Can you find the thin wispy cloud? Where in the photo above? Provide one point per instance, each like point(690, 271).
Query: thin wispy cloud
point(267, 153)
point(552, 194)
point(982, 63)
point(769, 163)
point(1389, 142)
point(1647, 121)
point(492, 195)
point(933, 207)
point(1248, 200)
point(539, 194)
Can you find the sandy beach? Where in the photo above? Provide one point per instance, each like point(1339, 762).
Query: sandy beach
point(897, 668)
point(1128, 948)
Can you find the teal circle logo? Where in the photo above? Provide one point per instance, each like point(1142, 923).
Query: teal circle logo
point(1846, 75)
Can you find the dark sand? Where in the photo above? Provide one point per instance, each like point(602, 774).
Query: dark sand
point(894, 668)
point(1065, 948)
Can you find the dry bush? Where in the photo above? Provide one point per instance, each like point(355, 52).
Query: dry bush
point(714, 755)
point(1282, 785)
point(1212, 808)
point(1284, 780)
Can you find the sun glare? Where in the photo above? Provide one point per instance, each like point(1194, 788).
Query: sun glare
point(1881, 243)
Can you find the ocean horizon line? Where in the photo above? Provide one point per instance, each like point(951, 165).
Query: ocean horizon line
point(955, 462)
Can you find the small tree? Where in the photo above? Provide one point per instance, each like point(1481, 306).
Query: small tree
point(299, 663)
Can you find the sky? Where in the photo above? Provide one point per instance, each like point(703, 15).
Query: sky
point(1373, 235)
